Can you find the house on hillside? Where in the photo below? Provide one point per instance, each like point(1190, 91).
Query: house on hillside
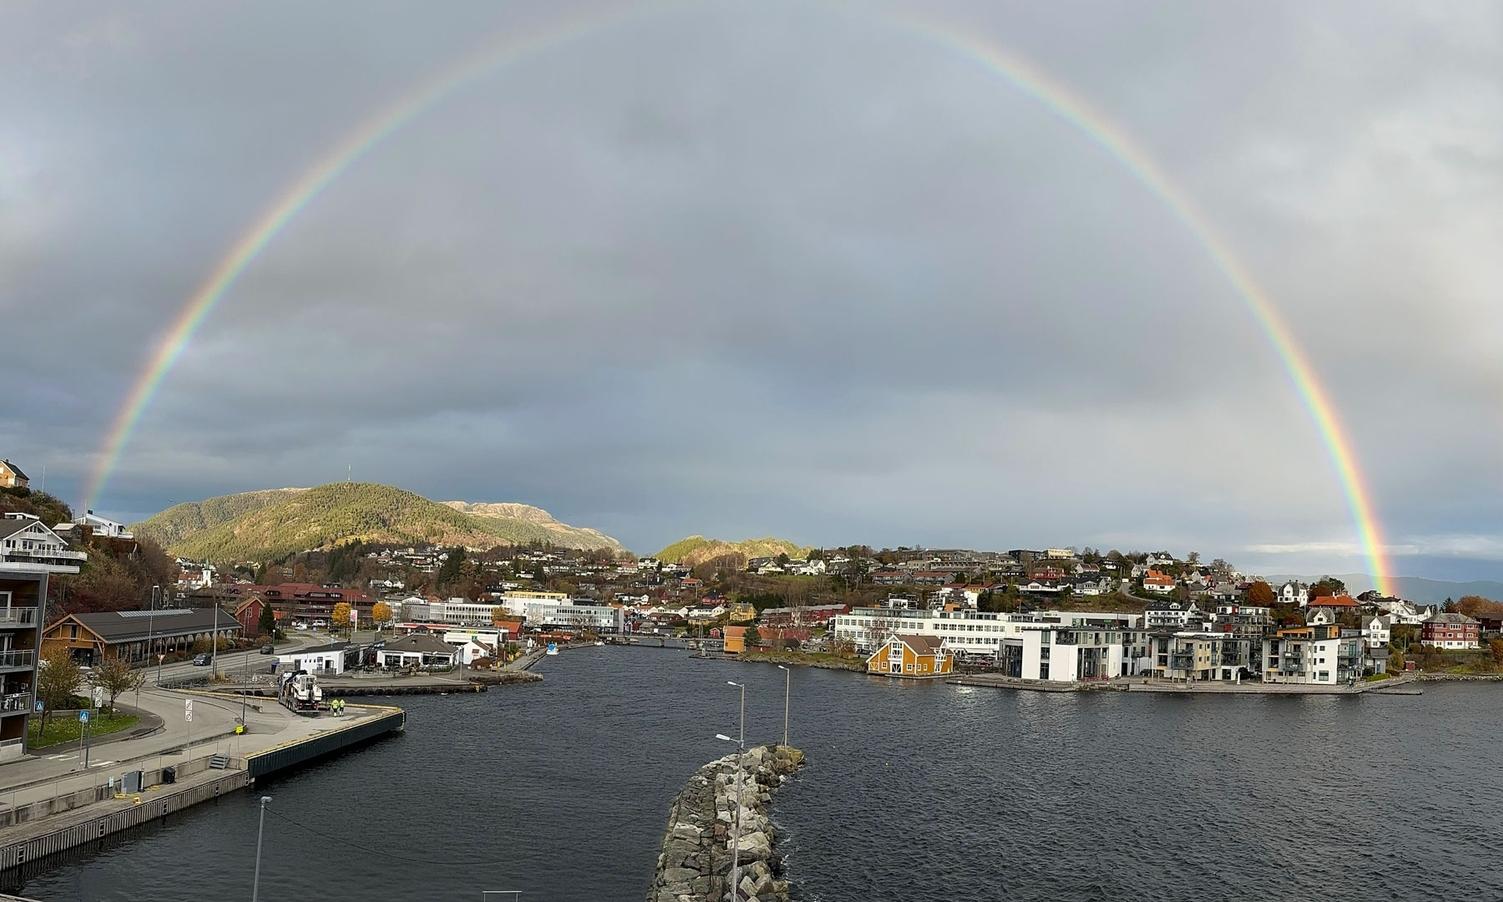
point(11, 476)
point(1294, 593)
point(26, 543)
point(910, 656)
point(1158, 581)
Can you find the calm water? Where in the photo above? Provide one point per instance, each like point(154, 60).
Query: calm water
point(913, 792)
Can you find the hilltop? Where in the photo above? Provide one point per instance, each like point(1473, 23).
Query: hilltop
point(269, 525)
point(696, 550)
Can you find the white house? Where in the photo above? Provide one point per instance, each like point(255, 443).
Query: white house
point(323, 659)
point(103, 527)
point(1376, 631)
point(1170, 614)
point(1294, 593)
point(28, 544)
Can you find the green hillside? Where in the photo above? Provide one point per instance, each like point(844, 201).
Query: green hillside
point(696, 550)
point(182, 521)
point(270, 525)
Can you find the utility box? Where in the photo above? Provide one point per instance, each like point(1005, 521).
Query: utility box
point(130, 781)
point(169, 775)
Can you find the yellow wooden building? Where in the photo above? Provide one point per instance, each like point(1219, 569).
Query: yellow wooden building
point(910, 656)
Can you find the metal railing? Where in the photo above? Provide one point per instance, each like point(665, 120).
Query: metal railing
point(16, 701)
point(18, 615)
point(17, 658)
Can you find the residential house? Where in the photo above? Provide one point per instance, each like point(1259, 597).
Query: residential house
point(136, 636)
point(808, 615)
point(1451, 631)
point(1377, 632)
point(248, 614)
point(910, 657)
point(11, 476)
point(1170, 614)
point(1294, 593)
point(1243, 619)
point(26, 543)
point(1158, 581)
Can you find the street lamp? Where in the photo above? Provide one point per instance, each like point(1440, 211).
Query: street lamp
point(787, 692)
point(260, 828)
point(740, 761)
point(736, 825)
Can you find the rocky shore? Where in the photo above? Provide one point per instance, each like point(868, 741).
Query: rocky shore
point(695, 863)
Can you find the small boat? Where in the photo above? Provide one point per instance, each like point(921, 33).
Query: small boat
point(599, 642)
point(552, 649)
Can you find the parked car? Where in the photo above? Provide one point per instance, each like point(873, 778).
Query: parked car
point(267, 649)
point(201, 660)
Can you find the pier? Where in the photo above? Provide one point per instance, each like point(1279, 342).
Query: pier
point(50, 803)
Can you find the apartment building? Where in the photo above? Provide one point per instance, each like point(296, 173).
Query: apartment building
point(23, 596)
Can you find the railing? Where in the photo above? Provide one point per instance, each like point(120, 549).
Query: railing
point(18, 658)
point(16, 701)
point(8, 743)
point(18, 615)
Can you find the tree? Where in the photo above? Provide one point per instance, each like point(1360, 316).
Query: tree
point(1496, 647)
point(115, 676)
point(268, 622)
point(57, 681)
point(1260, 594)
point(752, 636)
point(381, 613)
point(452, 566)
point(341, 616)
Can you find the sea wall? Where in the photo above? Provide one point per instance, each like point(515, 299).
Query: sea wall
point(695, 863)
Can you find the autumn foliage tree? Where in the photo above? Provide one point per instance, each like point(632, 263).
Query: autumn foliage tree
point(115, 676)
point(1260, 594)
point(341, 616)
point(58, 679)
point(381, 613)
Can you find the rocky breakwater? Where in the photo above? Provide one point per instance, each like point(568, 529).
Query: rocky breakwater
point(695, 864)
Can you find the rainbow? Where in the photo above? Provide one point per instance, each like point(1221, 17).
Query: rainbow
point(1015, 71)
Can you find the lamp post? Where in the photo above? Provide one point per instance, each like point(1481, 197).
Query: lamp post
point(787, 693)
point(740, 761)
point(260, 828)
point(151, 634)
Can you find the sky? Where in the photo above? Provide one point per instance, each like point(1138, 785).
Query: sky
point(797, 269)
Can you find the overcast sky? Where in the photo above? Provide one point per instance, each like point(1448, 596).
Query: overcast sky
point(793, 269)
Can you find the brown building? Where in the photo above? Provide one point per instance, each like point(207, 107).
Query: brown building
point(23, 594)
point(136, 636)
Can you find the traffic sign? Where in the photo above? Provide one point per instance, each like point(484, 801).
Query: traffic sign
point(38, 707)
point(188, 710)
point(83, 717)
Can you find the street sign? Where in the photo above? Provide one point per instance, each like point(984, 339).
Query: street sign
point(188, 710)
point(83, 717)
point(38, 707)
point(98, 696)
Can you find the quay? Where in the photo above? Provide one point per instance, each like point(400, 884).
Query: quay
point(50, 803)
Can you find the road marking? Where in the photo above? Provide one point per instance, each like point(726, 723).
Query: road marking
point(61, 757)
point(102, 764)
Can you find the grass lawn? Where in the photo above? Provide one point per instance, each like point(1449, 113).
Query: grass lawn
point(64, 727)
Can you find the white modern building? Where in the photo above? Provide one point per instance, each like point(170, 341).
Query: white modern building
point(323, 660)
point(970, 632)
point(1170, 614)
point(1325, 655)
point(26, 543)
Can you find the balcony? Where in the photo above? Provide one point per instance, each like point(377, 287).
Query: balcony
point(15, 703)
point(19, 659)
point(17, 616)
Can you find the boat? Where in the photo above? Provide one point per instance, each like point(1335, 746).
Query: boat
point(599, 641)
point(552, 649)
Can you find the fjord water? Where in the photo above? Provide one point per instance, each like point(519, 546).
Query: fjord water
point(913, 791)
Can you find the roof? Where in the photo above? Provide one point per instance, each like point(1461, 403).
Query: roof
point(921, 645)
point(1333, 601)
point(128, 626)
point(14, 469)
point(332, 646)
point(1452, 619)
point(421, 643)
point(11, 526)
